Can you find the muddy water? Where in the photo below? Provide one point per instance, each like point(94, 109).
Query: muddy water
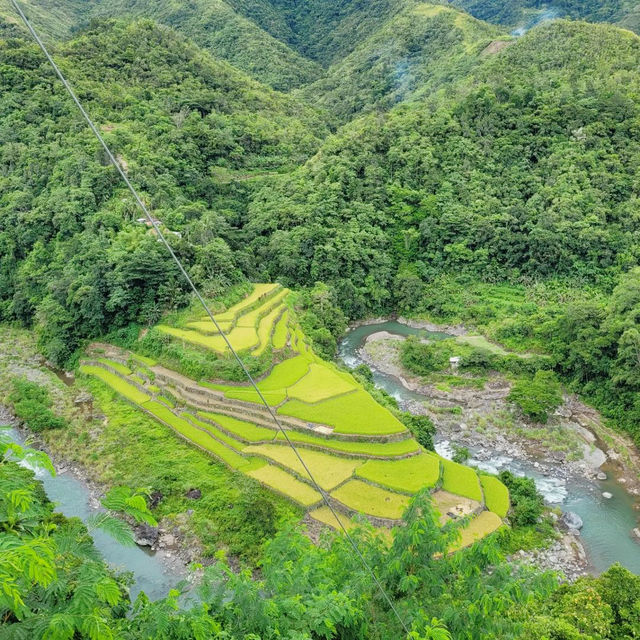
point(608, 523)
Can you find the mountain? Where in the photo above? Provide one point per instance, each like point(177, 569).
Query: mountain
point(54, 19)
point(72, 257)
point(526, 13)
point(417, 50)
point(327, 30)
point(216, 27)
point(524, 167)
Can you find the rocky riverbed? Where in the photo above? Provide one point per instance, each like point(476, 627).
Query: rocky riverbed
point(574, 449)
point(482, 419)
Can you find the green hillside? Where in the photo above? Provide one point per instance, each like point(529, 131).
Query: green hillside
point(524, 12)
point(227, 35)
point(183, 125)
point(54, 19)
point(520, 168)
point(414, 52)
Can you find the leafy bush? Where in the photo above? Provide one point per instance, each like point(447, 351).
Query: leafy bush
point(537, 397)
point(31, 402)
point(422, 358)
point(421, 427)
point(460, 454)
point(526, 503)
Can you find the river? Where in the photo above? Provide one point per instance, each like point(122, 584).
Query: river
point(72, 498)
point(608, 523)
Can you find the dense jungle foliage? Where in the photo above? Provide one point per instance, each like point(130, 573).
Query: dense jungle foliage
point(502, 160)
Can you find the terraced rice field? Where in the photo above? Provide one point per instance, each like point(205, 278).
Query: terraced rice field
point(360, 454)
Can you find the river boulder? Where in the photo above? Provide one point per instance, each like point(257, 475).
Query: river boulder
point(145, 535)
point(572, 520)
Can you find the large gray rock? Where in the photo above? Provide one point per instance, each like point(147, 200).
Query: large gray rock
point(572, 520)
point(145, 535)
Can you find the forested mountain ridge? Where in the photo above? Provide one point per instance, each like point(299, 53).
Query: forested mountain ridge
point(526, 13)
point(409, 155)
point(227, 35)
point(416, 51)
point(519, 168)
point(73, 259)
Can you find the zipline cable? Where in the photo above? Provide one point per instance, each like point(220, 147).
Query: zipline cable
point(193, 287)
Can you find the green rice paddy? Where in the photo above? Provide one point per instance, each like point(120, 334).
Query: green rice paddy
point(326, 516)
point(166, 401)
point(284, 482)
point(117, 366)
point(117, 383)
point(216, 433)
point(407, 475)
point(259, 290)
point(198, 437)
point(363, 497)
point(243, 430)
point(355, 412)
point(461, 480)
point(252, 318)
point(496, 495)
point(367, 475)
point(319, 384)
point(281, 331)
point(373, 449)
point(265, 328)
point(329, 471)
point(479, 527)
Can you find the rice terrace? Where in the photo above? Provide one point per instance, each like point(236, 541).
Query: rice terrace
point(361, 455)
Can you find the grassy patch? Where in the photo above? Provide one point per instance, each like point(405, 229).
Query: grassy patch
point(480, 342)
point(116, 383)
point(354, 412)
point(284, 482)
point(329, 471)
point(496, 495)
point(482, 525)
point(461, 480)
point(244, 430)
point(135, 449)
point(369, 448)
point(373, 501)
point(116, 366)
point(410, 474)
point(319, 384)
point(281, 331)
